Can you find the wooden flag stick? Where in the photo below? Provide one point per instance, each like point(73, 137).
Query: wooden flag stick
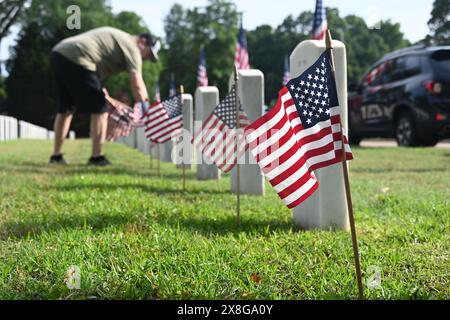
point(182, 158)
point(238, 173)
point(150, 154)
point(158, 163)
point(329, 45)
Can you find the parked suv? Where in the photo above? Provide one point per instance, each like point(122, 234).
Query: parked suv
point(405, 95)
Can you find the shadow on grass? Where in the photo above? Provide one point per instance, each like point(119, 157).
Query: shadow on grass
point(223, 225)
point(158, 190)
point(386, 170)
point(34, 228)
point(206, 226)
point(33, 168)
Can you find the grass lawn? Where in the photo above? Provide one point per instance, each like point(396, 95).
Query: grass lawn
point(135, 236)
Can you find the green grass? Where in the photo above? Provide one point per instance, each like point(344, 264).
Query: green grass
point(135, 236)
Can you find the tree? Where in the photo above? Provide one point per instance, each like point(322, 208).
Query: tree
point(215, 29)
point(439, 22)
point(365, 46)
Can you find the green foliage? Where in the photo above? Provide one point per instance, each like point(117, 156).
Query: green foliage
point(136, 236)
point(365, 46)
point(187, 30)
point(439, 22)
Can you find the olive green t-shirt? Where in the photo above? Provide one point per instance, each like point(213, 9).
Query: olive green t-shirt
point(105, 50)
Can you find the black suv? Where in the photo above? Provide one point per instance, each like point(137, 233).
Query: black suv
point(405, 95)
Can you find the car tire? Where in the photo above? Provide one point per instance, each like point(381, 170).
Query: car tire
point(354, 140)
point(429, 142)
point(405, 130)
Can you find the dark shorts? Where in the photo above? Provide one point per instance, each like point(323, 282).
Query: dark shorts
point(76, 88)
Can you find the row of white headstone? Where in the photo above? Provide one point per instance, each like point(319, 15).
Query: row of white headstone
point(327, 207)
point(12, 129)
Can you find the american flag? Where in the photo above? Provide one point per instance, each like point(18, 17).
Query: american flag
point(300, 134)
point(286, 73)
point(164, 120)
point(172, 86)
point(121, 118)
point(157, 96)
point(218, 138)
point(241, 56)
point(320, 24)
point(202, 75)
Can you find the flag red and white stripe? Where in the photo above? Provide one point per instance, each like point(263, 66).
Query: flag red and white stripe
point(164, 120)
point(218, 139)
point(241, 59)
point(287, 148)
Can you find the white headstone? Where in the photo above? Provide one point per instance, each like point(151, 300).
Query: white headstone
point(8, 129)
point(142, 141)
point(206, 99)
point(251, 94)
point(15, 128)
point(327, 207)
point(72, 135)
point(2, 128)
point(182, 151)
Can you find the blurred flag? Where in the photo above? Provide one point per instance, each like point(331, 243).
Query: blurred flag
point(121, 118)
point(202, 75)
point(286, 73)
point(241, 56)
point(172, 86)
point(157, 96)
point(164, 120)
point(300, 134)
point(320, 24)
point(218, 139)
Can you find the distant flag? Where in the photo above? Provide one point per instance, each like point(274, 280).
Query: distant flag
point(172, 86)
point(164, 120)
point(157, 96)
point(300, 134)
point(241, 59)
point(320, 24)
point(218, 139)
point(286, 73)
point(202, 75)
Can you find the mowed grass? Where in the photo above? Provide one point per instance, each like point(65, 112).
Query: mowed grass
point(136, 236)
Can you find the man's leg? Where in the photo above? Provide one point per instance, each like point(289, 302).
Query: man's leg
point(99, 125)
point(61, 128)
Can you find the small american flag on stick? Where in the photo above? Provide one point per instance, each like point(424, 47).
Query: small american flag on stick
point(202, 75)
point(218, 138)
point(300, 134)
point(121, 118)
point(164, 120)
point(241, 59)
point(320, 24)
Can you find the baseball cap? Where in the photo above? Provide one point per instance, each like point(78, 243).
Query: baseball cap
point(154, 45)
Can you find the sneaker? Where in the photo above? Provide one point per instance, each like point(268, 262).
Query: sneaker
point(58, 159)
point(99, 161)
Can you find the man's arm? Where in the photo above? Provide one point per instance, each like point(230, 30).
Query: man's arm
point(139, 90)
point(138, 86)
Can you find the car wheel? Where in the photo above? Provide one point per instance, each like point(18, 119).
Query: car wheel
point(430, 142)
point(354, 140)
point(405, 130)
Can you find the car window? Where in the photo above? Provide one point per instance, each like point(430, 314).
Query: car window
point(373, 77)
point(405, 67)
point(441, 61)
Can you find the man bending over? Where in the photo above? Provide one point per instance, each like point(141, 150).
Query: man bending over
point(80, 64)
